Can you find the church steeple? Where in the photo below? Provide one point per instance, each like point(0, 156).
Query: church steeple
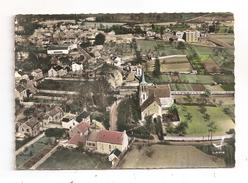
point(143, 81)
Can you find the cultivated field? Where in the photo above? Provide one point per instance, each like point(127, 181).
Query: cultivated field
point(198, 126)
point(162, 47)
point(187, 87)
point(32, 151)
point(65, 159)
point(169, 156)
point(170, 64)
point(228, 38)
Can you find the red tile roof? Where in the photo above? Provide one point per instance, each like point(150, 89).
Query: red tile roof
point(74, 139)
point(82, 127)
point(112, 137)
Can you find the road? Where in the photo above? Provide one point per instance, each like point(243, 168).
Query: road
point(113, 115)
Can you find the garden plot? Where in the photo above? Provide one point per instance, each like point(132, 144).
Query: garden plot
point(75, 160)
point(168, 156)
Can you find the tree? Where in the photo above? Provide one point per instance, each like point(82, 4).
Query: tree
point(211, 129)
point(181, 128)
point(149, 124)
point(99, 39)
point(156, 71)
point(54, 132)
point(172, 109)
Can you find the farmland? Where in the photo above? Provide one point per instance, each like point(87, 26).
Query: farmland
point(198, 126)
point(169, 156)
point(187, 87)
point(162, 47)
point(175, 63)
point(228, 38)
point(33, 151)
point(75, 160)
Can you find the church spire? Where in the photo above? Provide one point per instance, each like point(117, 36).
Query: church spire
point(143, 81)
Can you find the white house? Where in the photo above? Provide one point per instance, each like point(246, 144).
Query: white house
point(69, 121)
point(57, 71)
point(76, 67)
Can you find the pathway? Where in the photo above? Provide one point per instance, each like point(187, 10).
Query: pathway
point(113, 115)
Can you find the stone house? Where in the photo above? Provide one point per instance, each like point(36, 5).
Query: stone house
point(30, 128)
point(37, 74)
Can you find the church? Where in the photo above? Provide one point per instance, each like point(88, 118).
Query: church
point(154, 99)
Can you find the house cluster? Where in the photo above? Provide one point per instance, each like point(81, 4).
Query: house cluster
point(26, 84)
point(96, 140)
point(42, 117)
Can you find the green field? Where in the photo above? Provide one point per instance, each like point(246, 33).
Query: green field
point(72, 159)
point(164, 48)
point(169, 156)
point(198, 126)
point(190, 78)
point(32, 150)
point(228, 38)
point(203, 50)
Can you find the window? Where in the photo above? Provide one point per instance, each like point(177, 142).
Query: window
point(144, 96)
point(110, 147)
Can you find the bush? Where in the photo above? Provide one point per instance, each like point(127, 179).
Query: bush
point(55, 132)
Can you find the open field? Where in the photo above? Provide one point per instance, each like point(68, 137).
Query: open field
point(187, 87)
point(71, 159)
point(190, 78)
point(164, 48)
point(228, 38)
point(170, 64)
point(32, 151)
point(198, 126)
point(169, 156)
point(196, 99)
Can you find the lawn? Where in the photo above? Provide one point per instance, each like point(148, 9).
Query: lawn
point(198, 126)
point(72, 159)
point(164, 48)
point(169, 156)
point(32, 150)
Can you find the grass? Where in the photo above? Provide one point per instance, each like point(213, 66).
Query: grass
point(65, 159)
point(187, 87)
point(190, 78)
point(169, 156)
point(198, 126)
point(224, 78)
point(228, 87)
point(32, 150)
point(164, 48)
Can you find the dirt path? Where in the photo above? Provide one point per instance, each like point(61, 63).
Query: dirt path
point(113, 115)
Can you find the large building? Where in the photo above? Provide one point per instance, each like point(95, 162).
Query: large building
point(191, 36)
point(99, 141)
point(154, 99)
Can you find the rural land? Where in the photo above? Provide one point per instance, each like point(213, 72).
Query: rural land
point(124, 91)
